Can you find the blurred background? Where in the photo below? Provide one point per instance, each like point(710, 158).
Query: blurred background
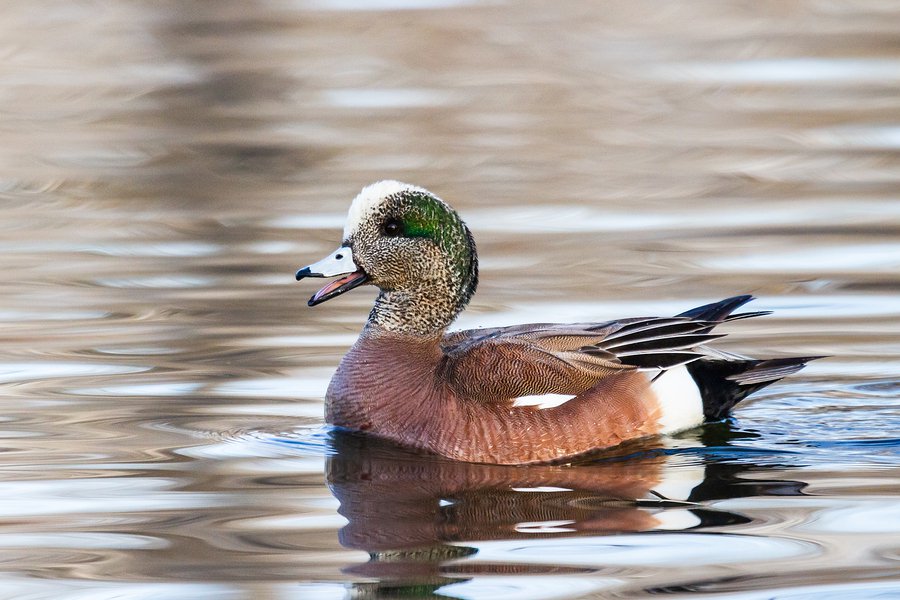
point(166, 166)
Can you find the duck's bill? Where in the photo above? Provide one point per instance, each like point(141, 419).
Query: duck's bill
point(338, 287)
point(338, 264)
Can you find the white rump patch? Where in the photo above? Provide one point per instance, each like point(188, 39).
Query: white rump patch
point(371, 197)
point(542, 401)
point(679, 400)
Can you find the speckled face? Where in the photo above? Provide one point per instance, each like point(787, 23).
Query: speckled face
point(415, 248)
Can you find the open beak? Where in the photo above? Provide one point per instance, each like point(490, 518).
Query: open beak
point(337, 264)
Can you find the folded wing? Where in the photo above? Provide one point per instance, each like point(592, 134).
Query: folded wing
point(500, 364)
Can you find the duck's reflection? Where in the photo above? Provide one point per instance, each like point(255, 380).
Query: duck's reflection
point(418, 515)
point(396, 500)
point(414, 514)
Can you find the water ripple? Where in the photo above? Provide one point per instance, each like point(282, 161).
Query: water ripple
point(29, 371)
point(528, 587)
point(663, 550)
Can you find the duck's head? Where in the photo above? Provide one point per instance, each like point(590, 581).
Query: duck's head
point(413, 247)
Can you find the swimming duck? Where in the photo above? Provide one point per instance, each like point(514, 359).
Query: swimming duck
point(508, 395)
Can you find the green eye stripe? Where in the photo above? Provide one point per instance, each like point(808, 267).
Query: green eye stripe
point(427, 217)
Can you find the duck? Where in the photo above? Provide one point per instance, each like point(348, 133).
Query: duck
point(514, 395)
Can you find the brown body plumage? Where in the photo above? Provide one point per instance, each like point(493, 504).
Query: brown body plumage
point(428, 398)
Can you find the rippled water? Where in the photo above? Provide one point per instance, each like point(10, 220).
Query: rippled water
point(165, 167)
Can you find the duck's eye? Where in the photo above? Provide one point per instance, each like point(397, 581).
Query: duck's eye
point(392, 228)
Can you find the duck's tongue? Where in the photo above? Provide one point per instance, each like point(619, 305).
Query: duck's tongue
point(338, 287)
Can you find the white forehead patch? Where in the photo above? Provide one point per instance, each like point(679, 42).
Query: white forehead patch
point(371, 197)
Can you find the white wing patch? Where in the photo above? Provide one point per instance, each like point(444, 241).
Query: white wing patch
point(542, 401)
point(370, 197)
point(679, 400)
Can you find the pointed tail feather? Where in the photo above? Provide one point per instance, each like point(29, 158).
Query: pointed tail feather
point(773, 369)
point(724, 383)
point(717, 311)
point(666, 342)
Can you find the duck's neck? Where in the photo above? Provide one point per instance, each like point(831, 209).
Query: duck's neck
point(425, 311)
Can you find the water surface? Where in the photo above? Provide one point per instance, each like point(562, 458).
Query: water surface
point(166, 167)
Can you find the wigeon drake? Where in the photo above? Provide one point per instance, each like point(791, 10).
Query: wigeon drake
point(510, 395)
